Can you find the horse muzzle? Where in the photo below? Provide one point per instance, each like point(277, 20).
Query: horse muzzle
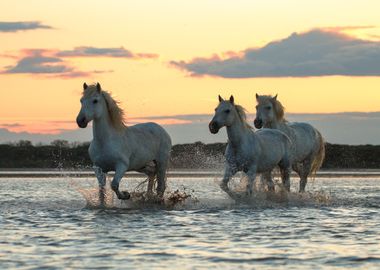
point(82, 122)
point(213, 127)
point(258, 123)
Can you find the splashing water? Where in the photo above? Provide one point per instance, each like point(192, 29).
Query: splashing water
point(185, 198)
point(45, 224)
point(263, 198)
point(139, 197)
point(91, 195)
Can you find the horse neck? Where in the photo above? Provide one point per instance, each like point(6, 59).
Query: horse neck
point(236, 132)
point(102, 129)
point(275, 124)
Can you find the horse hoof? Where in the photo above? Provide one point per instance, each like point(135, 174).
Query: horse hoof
point(124, 195)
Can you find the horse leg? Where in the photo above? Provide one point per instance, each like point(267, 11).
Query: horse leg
point(285, 177)
point(306, 168)
point(267, 176)
point(161, 177)
point(101, 176)
point(228, 173)
point(285, 170)
point(119, 173)
point(150, 170)
point(151, 178)
point(251, 173)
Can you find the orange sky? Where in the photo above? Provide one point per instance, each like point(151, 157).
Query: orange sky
point(174, 31)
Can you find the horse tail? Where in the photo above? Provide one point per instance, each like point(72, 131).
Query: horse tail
point(319, 158)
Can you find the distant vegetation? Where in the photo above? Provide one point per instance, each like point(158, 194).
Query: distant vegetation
point(63, 155)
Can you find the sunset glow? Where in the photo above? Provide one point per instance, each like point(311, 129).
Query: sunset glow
point(130, 47)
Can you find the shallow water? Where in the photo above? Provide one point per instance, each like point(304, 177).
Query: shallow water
point(47, 223)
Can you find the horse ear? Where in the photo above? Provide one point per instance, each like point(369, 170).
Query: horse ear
point(220, 98)
point(275, 97)
point(257, 96)
point(98, 87)
point(232, 99)
point(85, 86)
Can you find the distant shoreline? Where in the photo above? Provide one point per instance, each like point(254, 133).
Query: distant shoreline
point(49, 173)
point(195, 156)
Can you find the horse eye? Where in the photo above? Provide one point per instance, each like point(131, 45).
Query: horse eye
point(95, 101)
point(268, 108)
point(227, 111)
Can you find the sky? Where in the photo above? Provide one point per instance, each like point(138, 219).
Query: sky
point(167, 61)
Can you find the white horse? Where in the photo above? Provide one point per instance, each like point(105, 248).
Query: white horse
point(308, 147)
point(249, 151)
point(116, 147)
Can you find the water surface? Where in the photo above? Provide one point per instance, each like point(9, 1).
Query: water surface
point(47, 223)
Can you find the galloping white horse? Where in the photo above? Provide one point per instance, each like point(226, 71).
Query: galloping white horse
point(116, 147)
point(249, 151)
point(308, 148)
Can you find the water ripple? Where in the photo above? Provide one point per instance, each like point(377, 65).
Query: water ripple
point(46, 225)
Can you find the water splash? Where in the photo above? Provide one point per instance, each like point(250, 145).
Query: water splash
point(91, 194)
point(282, 198)
point(187, 196)
point(263, 198)
point(139, 197)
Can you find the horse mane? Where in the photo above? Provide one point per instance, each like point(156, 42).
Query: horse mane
point(115, 113)
point(242, 115)
point(278, 107)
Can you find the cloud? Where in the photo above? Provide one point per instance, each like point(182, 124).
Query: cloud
point(103, 52)
point(11, 125)
point(39, 62)
point(22, 26)
point(94, 52)
point(38, 126)
point(46, 62)
point(53, 62)
point(160, 121)
point(319, 52)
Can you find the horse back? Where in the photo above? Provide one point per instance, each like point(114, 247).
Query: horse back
point(146, 142)
point(149, 133)
point(305, 139)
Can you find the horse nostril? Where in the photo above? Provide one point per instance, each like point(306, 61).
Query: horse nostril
point(81, 121)
point(213, 127)
point(258, 123)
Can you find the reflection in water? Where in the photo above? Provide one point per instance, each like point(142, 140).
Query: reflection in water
point(55, 223)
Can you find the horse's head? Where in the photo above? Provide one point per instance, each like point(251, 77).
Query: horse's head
point(224, 115)
point(268, 110)
point(92, 104)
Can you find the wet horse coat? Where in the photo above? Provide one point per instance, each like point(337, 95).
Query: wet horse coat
point(116, 147)
point(308, 148)
point(249, 151)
